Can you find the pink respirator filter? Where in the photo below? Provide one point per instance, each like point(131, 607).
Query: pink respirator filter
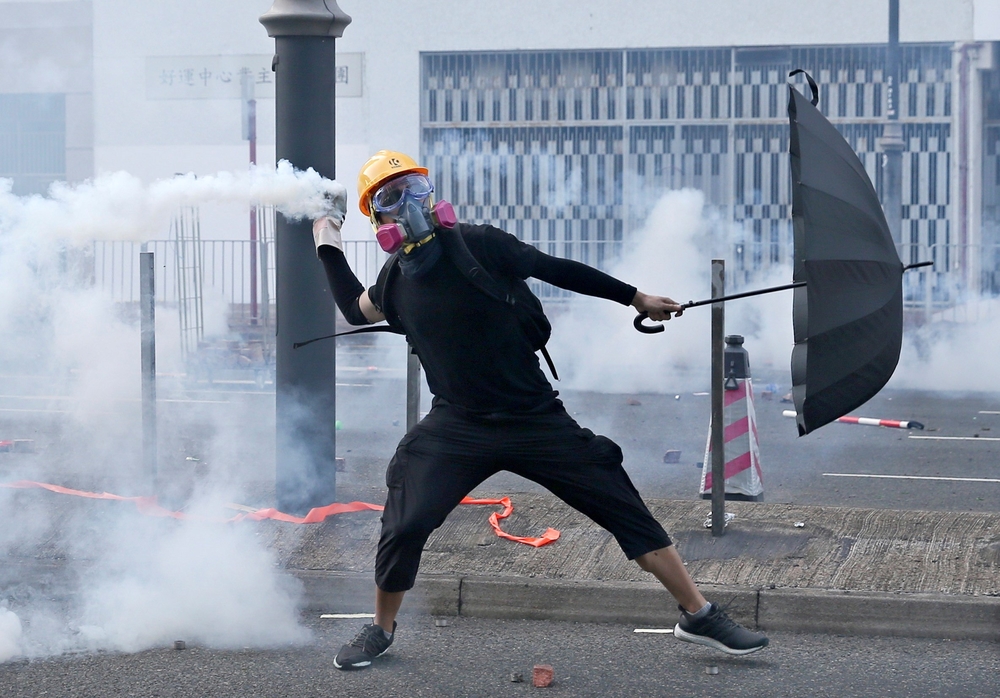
point(444, 215)
point(390, 236)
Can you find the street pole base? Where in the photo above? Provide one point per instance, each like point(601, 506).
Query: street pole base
point(737, 497)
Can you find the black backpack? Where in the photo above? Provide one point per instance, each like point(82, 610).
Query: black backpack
point(515, 293)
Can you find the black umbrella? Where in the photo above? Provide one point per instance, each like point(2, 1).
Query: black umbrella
point(847, 310)
point(848, 317)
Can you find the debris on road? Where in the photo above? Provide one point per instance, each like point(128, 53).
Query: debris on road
point(800, 524)
point(441, 623)
point(17, 446)
point(711, 670)
point(632, 401)
point(516, 677)
point(542, 675)
point(871, 421)
point(769, 391)
point(180, 645)
point(729, 517)
point(672, 456)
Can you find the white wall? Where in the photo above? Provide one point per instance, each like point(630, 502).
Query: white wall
point(986, 20)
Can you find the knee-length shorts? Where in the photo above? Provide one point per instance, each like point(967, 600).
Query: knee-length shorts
point(448, 454)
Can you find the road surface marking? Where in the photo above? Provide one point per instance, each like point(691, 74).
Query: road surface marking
point(988, 412)
point(915, 477)
point(339, 616)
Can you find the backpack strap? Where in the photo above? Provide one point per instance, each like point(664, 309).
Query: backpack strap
point(458, 251)
point(386, 276)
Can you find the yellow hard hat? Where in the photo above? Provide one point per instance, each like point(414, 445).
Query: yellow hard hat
point(381, 167)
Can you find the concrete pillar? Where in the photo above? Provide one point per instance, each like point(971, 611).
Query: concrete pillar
point(304, 32)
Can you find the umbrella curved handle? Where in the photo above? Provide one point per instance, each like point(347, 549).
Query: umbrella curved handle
point(646, 329)
point(812, 84)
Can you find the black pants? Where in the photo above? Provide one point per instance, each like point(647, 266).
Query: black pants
point(448, 454)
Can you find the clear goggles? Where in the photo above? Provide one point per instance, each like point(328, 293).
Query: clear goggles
point(389, 196)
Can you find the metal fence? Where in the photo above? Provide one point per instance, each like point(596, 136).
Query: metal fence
point(941, 292)
point(224, 265)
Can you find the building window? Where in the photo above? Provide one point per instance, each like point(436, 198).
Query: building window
point(32, 141)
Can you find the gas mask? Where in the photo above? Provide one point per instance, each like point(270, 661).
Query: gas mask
point(406, 200)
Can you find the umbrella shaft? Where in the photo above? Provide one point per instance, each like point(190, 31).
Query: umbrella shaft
point(745, 294)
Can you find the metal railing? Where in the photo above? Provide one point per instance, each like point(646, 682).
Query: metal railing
point(942, 292)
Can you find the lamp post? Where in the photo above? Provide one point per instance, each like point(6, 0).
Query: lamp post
point(304, 63)
point(892, 135)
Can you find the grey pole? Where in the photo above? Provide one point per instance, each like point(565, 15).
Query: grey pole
point(892, 135)
point(412, 388)
point(147, 336)
point(304, 63)
point(718, 367)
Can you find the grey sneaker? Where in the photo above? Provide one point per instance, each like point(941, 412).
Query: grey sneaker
point(371, 642)
point(719, 631)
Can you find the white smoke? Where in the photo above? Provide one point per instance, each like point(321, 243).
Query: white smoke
point(208, 584)
point(595, 347)
point(118, 206)
point(10, 634)
point(952, 356)
point(136, 583)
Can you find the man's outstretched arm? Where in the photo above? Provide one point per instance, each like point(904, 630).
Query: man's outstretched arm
point(350, 296)
point(581, 278)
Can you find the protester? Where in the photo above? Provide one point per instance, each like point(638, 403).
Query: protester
point(493, 408)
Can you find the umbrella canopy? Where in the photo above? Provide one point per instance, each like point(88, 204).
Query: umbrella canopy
point(848, 318)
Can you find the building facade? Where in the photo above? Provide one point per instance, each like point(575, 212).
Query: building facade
point(560, 121)
point(570, 149)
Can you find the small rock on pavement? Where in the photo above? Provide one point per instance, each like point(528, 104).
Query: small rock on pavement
point(542, 676)
point(516, 677)
point(441, 622)
point(711, 669)
point(180, 645)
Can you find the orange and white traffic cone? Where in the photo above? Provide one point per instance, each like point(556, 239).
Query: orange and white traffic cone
point(744, 477)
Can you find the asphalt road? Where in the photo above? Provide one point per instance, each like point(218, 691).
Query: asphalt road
point(476, 657)
point(229, 427)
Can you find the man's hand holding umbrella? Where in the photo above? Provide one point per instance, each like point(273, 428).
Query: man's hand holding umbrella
point(656, 307)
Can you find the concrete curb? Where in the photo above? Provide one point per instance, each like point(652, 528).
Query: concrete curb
point(788, 609)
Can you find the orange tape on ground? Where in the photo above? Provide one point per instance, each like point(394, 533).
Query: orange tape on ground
point(149, 507)
point(550, 536)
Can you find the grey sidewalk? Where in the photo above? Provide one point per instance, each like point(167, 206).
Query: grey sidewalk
point(845, 570)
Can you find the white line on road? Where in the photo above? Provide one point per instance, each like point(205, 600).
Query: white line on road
point(989, 412)
point(956, 438)
point(915, 477)
point(339, 616)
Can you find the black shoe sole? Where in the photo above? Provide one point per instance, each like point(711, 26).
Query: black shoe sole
point(358, 665)
point(680, 634)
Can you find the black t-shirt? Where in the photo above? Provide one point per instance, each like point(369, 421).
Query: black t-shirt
point(474, 353)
